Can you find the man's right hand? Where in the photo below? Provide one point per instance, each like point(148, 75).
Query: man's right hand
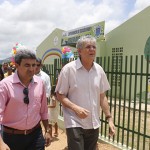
point(81, 112)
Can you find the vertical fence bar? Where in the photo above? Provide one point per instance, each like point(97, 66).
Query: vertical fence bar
point(98, 60)
point(146, 101)
point(108, 69)
point(119, 107)
point(51, 74)
point(102, 119)
point(108, 76)
point(115, 98)
point(140, 101)
point(104, 67)
point(55, 69)
point(134, 109)
point(109, 79)
point(129, 103)
point(103, 64)
point(124, 98)
point(111, 94)
point(111, 91)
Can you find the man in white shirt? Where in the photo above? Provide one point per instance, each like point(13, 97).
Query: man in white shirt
point(81, 89)
point(44, 76)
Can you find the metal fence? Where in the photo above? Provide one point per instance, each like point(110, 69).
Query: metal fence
point(129, 99)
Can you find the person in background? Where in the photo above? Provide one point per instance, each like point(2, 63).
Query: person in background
point(1, 74)
point(9, 72)
point(13, 68)
point(5, 65)
point(23, 105)
point(81, 89)
point(44, 76)
point(53, 112)
point(12, 65)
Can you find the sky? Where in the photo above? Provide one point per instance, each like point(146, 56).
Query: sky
point(29, 22)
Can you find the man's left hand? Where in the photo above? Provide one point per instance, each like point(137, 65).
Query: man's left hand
point(111, 127)
point(48, 139)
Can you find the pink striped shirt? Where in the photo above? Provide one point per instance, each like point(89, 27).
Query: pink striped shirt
point(14, 112)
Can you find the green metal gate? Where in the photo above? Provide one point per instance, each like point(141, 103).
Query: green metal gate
point(129, 99)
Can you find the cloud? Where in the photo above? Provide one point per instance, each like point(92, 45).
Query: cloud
point(139, 6)
point(30, 21)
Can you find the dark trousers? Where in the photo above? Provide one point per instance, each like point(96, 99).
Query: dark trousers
point(82, 139)
point(32, 141)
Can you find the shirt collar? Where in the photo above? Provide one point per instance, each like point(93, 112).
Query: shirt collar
point(79, 64)
point(39, 74)
point(17, 80)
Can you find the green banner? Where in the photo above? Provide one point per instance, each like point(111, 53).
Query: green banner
point(70, 37)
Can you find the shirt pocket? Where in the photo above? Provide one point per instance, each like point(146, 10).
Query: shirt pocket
point(96, 83)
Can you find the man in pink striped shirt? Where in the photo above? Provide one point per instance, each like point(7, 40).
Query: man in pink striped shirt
point(23, 105)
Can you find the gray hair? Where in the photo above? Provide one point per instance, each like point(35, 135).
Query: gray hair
point(83, 40)
point(24, 54)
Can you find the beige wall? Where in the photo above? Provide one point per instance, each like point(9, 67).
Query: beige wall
point(51, 42)
point(131, 35)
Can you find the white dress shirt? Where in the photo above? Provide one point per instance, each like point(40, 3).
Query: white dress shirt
point(47, 82)
point(83, 88)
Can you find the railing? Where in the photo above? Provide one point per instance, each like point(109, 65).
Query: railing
point(129, 99)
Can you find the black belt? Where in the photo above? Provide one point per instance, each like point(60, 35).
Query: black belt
point(16, 131)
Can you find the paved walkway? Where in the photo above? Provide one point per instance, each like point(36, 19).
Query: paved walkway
point(60, 143)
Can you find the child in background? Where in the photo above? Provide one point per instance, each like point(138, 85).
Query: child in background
point(53, 112)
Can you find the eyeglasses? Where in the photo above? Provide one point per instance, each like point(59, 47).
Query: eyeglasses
point(90, 46)
point(26, 98)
